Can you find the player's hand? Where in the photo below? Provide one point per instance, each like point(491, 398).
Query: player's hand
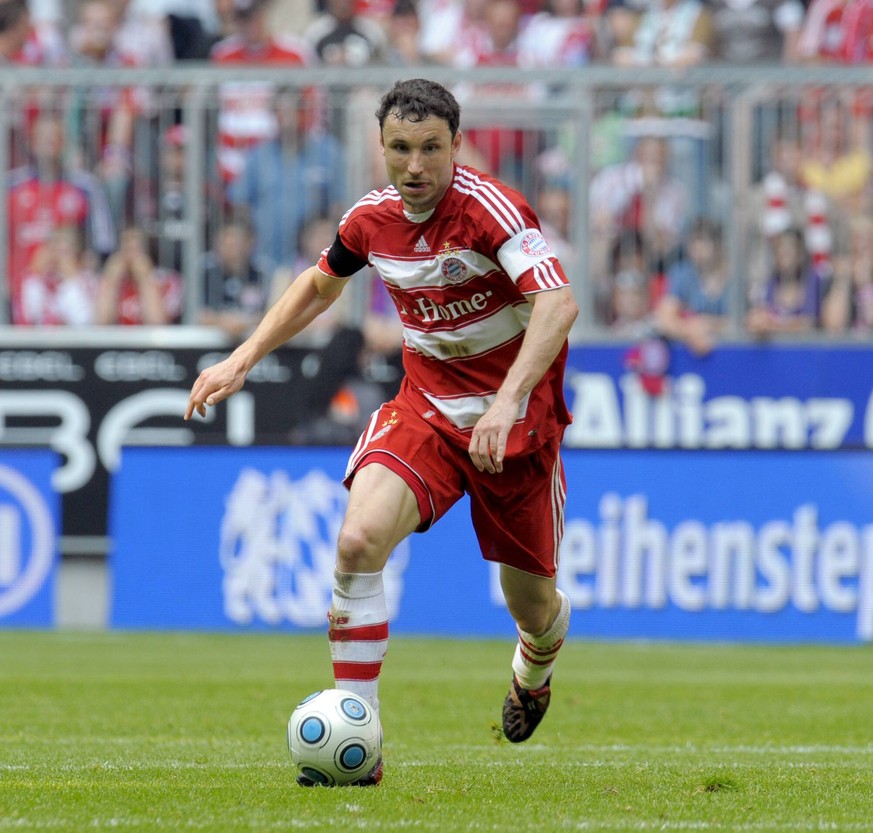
point(487, 447)
point(214, 385)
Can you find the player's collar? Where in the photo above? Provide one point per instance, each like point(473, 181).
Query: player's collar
point(419, 218)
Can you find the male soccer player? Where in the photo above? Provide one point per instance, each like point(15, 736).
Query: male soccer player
point(486, 310)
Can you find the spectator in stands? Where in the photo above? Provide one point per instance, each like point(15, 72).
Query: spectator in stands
point(26, 44)
point(47, 32)
point(848, 305)
point(44, 195)
point(235, 282)
point(60, 287)
point(451, 27)
point(756, 31)
point(162, 201)
point(132, 290)
point(195, 26)
point(835, 154)
point(341, 37)
point(791, 301)
point(298, 175)
point(630, 314)
point(164, 211)
point(561, 35)
point(554, 206)
point(672, 33)
point(144, 33)
point(619, 19)
point(782, 200)
point(246, 116)
point(695, 306)
point(102, 119)
point(639, 195)
point(404, 32)
point(22, 43)
point(821, 35)
point(857, 31)
point(503, 150)
point(629, 258)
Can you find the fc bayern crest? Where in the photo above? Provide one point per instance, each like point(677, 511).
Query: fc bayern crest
point(454, 269)
point(533, 244)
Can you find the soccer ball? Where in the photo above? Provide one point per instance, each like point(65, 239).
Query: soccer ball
point(334, 737)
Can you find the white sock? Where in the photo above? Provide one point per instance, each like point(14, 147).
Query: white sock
point(358, 633)
point(535, 656)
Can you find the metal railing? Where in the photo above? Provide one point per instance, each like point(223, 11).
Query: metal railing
point(546, 131)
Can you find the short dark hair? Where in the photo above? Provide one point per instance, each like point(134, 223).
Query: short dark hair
point(418, 98)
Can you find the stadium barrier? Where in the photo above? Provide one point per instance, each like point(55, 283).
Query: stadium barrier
point(545, 131)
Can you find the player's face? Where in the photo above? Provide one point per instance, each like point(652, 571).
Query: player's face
point(419, 159)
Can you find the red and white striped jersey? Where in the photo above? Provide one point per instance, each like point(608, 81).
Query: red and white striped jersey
point(459, 276)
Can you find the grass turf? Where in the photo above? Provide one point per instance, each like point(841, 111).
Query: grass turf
point(177, 732)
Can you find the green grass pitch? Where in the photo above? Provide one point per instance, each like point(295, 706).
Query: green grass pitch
point(186, 732)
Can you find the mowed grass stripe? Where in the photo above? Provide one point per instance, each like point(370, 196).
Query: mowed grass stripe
point(158, 732)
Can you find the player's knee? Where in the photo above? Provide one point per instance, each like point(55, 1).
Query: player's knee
point(535, 625)
point(534, 620)
point(534, 615)
point(358, 551)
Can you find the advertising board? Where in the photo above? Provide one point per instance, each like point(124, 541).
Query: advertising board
point(749, 546)
point(29, 522)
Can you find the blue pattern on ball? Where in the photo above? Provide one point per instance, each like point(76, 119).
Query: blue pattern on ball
point(307, 699)
point(354, 709)
point(353, 756)
point(312, 729)
point(315, 775)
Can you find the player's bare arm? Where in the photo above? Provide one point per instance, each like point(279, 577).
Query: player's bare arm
point(309, 295)
point(551, 319)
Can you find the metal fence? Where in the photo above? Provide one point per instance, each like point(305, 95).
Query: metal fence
point(174, 156)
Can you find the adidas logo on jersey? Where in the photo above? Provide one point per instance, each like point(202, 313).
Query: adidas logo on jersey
point(421, 247)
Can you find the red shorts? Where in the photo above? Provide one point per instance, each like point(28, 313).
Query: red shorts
point(518, 515)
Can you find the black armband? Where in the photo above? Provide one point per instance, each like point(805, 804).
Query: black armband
point(343, 262)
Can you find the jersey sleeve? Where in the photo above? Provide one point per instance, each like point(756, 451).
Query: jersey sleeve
point(510, 230)
point(339, 260)
point(529, 260)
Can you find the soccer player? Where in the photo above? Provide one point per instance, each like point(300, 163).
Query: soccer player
point(486, 311)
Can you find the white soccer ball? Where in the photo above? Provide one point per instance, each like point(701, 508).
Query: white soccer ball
point(334, 737)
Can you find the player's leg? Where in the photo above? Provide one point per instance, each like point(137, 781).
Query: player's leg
point(400, 481)
point(382, 511)
point(542, 616)
point(519, 520)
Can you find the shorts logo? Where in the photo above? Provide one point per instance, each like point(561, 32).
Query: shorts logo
point(454, 269)
point(533, 244)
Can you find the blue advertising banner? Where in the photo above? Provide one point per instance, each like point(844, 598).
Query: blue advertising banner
point(739, 397)
point(29, 515)
point(720, 545)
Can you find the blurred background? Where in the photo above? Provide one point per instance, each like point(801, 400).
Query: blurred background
point(702, 168)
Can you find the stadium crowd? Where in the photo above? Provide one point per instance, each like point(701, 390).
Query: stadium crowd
point(97, 194)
